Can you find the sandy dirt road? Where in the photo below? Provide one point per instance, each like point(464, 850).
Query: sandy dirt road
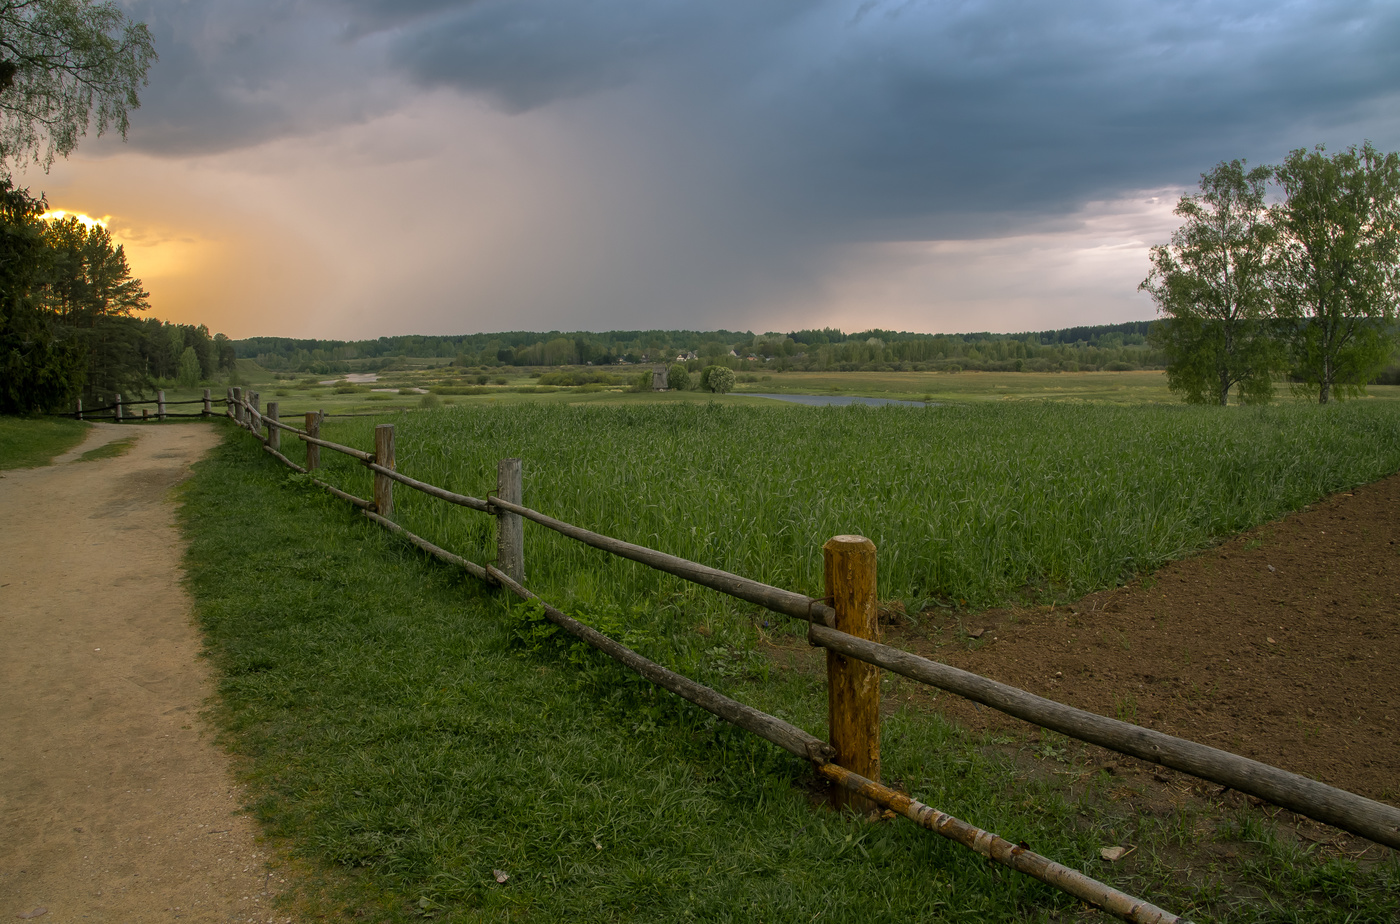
point(115, 805)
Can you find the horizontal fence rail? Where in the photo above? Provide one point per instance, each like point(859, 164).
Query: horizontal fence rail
point(785, 602)
point(1370, 819)
point(1357, 814)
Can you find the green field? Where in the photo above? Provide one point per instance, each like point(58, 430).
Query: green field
point(969, 505)
point(407, 734)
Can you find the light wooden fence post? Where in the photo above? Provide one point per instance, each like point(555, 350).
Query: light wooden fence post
point(274, 435)
point(208, 405)
point(80, 408)
point(384, 455)
point(510, 528)
point(160, 404)
point(145, 414)
point(118, 401)
point(238, 405)
point(853, 687)
point(313, 430)
point(255, 413)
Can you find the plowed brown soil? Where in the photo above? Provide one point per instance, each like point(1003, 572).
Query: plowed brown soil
point(1282, 644)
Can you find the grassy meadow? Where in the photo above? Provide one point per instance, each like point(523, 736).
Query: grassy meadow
point(423, 752)
point(969, 505)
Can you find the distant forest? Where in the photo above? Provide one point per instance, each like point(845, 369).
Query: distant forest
point(1115, 347)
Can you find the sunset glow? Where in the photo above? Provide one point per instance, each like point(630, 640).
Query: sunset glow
point(86, 221)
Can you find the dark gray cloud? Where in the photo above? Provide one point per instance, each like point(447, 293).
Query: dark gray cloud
point(680, 161)
point(906, 118)
point(875, 117)
point(234, 73)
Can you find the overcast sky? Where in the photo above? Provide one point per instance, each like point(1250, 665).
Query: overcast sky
point(358, 168)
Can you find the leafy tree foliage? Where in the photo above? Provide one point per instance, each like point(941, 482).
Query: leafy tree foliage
point(1339, 257)
point(718, 379)
point(678, 377)
point(1212, 289)
point(65, 64)
point(38, 368)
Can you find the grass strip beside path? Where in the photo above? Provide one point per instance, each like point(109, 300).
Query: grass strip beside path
point(27, 442)
point(109, 450)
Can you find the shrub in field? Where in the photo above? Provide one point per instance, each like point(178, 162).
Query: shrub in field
point(717, 379)
point(678, 377)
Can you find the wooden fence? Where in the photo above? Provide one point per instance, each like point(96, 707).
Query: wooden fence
point(843, 622)
point(114, 411)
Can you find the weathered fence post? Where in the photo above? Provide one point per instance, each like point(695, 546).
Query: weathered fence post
point(853, 687)
point(274, 435)
point(313, 430)
point(145, 414)
point(229, 409)
point(80, 408)
point(208, 405)
point(510, 528)
point(118, 401)
point(384, 455)
point(160, 404)
point(237, 405)
point(255, 413)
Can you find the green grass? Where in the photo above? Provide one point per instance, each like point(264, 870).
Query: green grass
point(398, 735)
point(406, 733)
point(27, 442)
point(968, 505)
point(109, 450)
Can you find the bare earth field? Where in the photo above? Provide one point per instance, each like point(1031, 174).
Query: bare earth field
point(1283, 644)
point(115, 805)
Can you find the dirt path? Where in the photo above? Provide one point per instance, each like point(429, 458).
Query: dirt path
point(114, 803)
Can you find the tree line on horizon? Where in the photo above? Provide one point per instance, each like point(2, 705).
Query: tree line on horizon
point(1303, 289)
point(1110, 346)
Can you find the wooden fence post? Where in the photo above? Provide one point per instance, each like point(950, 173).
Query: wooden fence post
point(160, 404)
point(510, 528)
point(274, 435)
point(208, 405)
point(237, 405)
point(145, 414)
point(118, 402)
point(80, 408)
point(313, 430)
point(255, 413)
point(853, 687)
point(384, 455)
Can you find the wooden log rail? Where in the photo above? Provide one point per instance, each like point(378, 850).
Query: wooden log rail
point(1357, 814)
point(433, 490)
point(1002, 851)
point(784, 602)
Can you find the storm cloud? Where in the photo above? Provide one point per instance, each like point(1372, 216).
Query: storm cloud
point(730, 162)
